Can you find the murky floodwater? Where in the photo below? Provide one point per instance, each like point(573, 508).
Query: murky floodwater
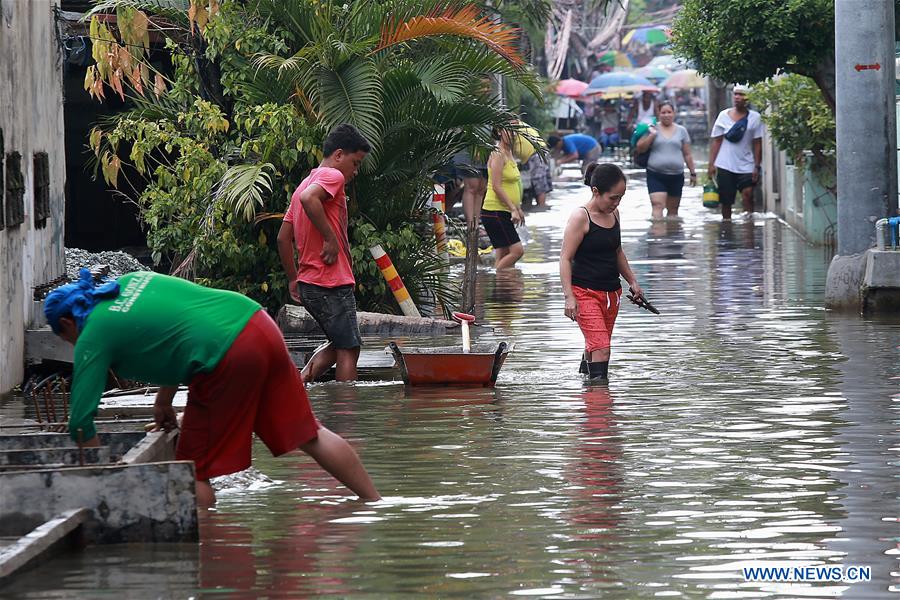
point(744, 427)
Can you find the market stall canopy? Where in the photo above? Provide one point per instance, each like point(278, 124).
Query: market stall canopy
point(685, 80)
point(572, 88)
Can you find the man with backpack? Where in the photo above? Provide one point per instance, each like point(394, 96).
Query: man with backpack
point(735, 152)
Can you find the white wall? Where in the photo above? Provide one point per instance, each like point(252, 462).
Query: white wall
point(31, 116)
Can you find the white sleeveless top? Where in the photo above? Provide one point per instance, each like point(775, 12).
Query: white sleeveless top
point(646, 116)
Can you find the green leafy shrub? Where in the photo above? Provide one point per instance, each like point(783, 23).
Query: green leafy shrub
point(799, 121)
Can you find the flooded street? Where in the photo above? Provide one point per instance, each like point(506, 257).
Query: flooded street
point(745, 426)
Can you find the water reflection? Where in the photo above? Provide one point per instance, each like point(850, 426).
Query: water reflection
point(596, 471)
point(743, 426)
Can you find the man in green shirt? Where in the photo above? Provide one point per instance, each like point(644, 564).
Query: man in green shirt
point(167, 331)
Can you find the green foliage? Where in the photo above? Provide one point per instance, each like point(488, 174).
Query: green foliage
point(799, 120)
point(750, 40)
point(216, 174)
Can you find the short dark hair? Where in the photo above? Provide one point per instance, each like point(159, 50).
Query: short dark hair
point(345, 137)
point(603, 176)
point(553, 140)
point(666, 103)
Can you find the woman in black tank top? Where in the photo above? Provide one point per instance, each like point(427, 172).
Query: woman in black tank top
point(591, 263)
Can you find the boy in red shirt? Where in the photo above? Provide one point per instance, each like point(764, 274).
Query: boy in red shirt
point(322, 276)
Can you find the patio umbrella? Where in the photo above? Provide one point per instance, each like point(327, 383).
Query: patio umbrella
point(668, 62)
point(654, 74)
point(652, 36)
point(684, 80)
point(614, 58)
point(571, 88)
point(621, 81)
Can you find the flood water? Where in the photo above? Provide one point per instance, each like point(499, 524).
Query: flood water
point(745, 426)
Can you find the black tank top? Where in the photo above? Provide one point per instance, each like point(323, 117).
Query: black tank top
point(595, 264)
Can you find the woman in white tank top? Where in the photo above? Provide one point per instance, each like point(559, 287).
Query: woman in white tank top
point(645, 115)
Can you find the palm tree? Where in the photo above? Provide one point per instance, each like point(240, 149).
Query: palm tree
point(412, 75)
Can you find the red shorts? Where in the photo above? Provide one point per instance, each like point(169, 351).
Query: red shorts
point(255, 388)
point(597, 311)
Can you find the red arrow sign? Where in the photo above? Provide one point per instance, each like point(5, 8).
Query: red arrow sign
point(875, 67)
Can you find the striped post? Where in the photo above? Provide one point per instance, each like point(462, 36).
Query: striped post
point(394, 282)
point(440, 227)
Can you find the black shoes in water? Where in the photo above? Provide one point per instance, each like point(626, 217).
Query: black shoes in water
point(595, 371)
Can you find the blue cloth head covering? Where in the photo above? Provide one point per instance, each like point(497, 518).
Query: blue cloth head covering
point(77, 299)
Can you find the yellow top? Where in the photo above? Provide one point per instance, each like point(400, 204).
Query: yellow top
point(512, 185)
point(524, 149)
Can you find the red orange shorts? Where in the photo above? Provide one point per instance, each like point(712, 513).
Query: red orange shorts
point(255, 388)
point(597, 311)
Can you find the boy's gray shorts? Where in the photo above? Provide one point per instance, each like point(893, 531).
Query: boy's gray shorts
point(334, 309)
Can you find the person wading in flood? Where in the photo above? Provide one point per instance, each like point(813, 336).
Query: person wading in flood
point(167, 331)
point(735, 152)
point(590, 264)
point(670, 148)
point(321, 279)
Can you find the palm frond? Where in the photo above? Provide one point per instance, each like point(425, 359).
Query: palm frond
point(479, 59)
point(242, 188)
point(352, 95)
point(445, 80)
point(466, 22)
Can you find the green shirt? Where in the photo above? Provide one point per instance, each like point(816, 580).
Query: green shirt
point(161, 330)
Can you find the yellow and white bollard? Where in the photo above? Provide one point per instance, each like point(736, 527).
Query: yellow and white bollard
point(394, 282)
point(438, 203)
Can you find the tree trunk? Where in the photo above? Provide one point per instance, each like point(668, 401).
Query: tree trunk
point(824, 78)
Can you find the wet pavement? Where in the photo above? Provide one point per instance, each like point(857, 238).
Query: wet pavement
point(744, 426)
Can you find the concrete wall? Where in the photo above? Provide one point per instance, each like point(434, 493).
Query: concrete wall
point(31, 117)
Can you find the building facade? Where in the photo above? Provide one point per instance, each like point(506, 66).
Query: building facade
point(32, 171)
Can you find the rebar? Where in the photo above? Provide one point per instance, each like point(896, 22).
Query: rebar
point(80, 447)
point(37, 409)
point(49, 406)
point(64, 390)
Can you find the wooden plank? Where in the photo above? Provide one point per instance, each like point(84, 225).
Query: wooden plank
point(41, 542)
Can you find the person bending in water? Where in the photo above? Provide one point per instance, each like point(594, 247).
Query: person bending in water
point(590, 264)
point(231, 354)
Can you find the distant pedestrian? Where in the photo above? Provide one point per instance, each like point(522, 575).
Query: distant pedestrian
point(575, 146)
point(645, 109)
point(229, 352)
point(609, 125)
point(590, 264)
point(474, 176)
point(735, 152)
point(502, 210)
point(321, 277)
point(670, 148)
point(531, 160)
